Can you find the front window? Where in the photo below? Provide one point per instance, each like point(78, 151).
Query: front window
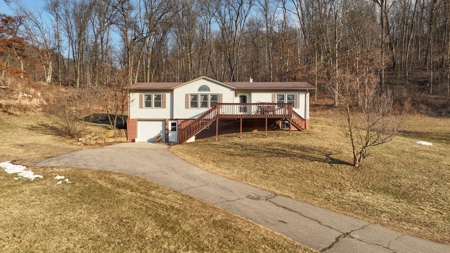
point(203, 100)
point(280, 98)
point(194, 100)
point(290, 99)
point(213, 99)
point(148, 100)
point(286, 98)
point(157, 100)
point(153, 101)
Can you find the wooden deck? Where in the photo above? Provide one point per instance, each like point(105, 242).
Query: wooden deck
point(238, 111)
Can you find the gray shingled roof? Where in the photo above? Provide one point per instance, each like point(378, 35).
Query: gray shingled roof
point(272, 85)
point(153, 86)
point(235, 85)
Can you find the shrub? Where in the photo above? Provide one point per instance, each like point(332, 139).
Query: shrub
point(69, 110)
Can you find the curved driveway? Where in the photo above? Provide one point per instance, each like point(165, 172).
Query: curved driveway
point(315, 227)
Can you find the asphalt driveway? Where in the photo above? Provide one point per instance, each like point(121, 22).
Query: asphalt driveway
point(315, 227)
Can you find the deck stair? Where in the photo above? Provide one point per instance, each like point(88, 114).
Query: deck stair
point(197, 125)
point(297, 121)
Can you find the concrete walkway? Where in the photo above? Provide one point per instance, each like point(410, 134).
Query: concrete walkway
point(315, 227)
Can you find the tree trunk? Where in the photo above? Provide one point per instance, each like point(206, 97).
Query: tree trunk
point(431, 29)
point(316, 75)
point(48, 77)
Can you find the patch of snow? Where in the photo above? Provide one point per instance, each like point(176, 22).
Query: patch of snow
point(20, 170)
point(425, 143)
point(58, 177)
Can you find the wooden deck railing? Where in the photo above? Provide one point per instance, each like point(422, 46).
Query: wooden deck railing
point(254, 110)
point(189, 128)
point(185, 132)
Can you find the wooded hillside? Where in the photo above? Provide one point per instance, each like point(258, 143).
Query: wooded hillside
point(87, 43)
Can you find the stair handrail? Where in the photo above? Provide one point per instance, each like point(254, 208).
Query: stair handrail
point(296, 116)
point(197, 125)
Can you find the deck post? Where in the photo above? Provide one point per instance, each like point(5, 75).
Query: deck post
point(290, 118)
point(266, 126)
point(290, 124)
point(217, 129)
point(240, 129)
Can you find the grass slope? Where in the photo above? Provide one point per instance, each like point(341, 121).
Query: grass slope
point(108, 212)
point(402, 185)
point(31, 137)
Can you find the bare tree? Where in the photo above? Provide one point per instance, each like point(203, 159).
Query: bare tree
point(434, 4)
point(369, 114)
point(231, 16)
point(267, 9)
point(40, 36)
point(447, 20)
point(383, 4)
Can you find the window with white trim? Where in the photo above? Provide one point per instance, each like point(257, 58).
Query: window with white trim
point(280, 98)
point(213, 99)
point(203, 100)
point(193, 98)
point(288, 98)
point(153, 100)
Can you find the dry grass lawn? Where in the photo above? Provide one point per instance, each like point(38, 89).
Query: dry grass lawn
point(32, 137)
point(402, 185)
point(108, 212)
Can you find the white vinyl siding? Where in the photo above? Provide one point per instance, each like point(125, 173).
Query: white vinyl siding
point(139, 110)
point(270, 97)
point(182, 98)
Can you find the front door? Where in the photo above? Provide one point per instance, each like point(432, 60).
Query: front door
point(173, 131)
point(243, 99)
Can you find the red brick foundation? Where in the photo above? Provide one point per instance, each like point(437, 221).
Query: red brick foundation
point(306, 123)
point(131, 129)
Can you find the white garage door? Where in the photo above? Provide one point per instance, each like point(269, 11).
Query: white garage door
point(149, 130)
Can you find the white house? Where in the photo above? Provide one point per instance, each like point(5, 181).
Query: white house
point(177, 112)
